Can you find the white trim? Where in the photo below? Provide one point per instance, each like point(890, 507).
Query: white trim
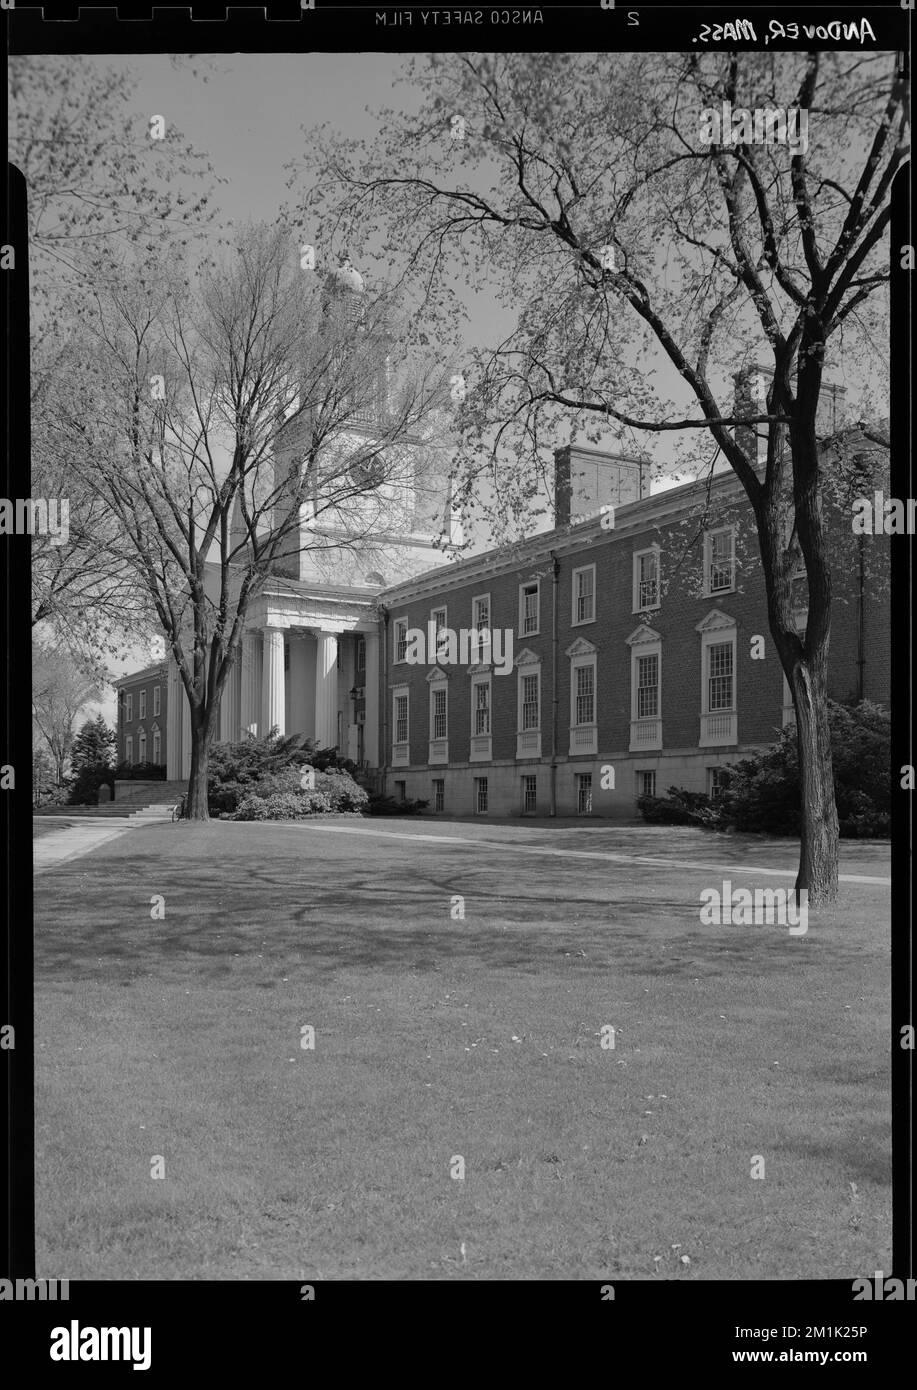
point(584, 737)
point(484, 648)
point(709, 592)
point(639, 607)
point(157, 701)
point(480, 746)
point(401, 748)
point(404, 618)
point(521, 630)
point(718, 728)
point(438, 750)
point(581, 647)
point(528, 741)
point(645, 730)
point(574, 620)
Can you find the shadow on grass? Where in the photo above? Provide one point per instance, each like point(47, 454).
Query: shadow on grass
point(260, 898)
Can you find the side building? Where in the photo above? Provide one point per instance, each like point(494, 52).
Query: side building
point(639, 655)
point(143, 716)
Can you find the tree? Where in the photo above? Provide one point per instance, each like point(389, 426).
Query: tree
point(60, 689)
point(655, 255)
point(229, 403)
point(93, 746)
point(100, 184)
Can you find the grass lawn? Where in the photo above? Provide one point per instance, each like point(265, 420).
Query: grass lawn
point(436, 1038)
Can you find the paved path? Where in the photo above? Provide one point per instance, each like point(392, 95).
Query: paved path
point(656, 861)
point(71, 841)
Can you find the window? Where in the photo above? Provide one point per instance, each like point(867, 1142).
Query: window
point(401, 791)
point(157, 699)
point(401, 718)
point(529, 794)
point(584, 595)
point(401, 638)
point(360, 658)
point(530, 714)
point(438, 696)
point(648, 686)
point(128, 707)
point(480, 623)
point(584, 705)
point(157, 746)
point(719, 560)
point(584, 793)
point(142, 710)
point(480, 795)
point(439, 793)
point(141, 747)
point(646, 784)
point(718, 716)
point(719, 676)
point(528, 608)
point(129, 749)
point(438, 620)
point(646, 579)
point(717, 782)
point(481, 707)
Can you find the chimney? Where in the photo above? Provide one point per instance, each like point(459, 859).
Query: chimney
point(586, 479)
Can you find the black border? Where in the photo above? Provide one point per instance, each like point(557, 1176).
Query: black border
point(696, 1318)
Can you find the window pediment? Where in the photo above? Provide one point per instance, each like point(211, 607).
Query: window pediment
point(643, 635)
point(437, 673)
point(527, 658)
point(580, 648)
point(716, 619)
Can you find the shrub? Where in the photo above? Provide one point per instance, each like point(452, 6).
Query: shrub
point(141, 772)
point(281, 796)
point(84, 788)
point(380, 805)
point(763, 791)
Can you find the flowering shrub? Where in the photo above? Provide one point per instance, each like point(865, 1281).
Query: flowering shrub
point(281, 795)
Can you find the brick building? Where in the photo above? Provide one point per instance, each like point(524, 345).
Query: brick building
point(635, 664)
point(142, 716)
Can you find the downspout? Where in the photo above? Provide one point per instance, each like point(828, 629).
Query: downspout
point(383, 695)
point(555, 575)
point(861, 622)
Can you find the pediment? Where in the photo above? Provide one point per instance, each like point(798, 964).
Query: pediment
point(581, 647)
point(643, 635)
point(714, 620)
point(437, 673)
point(527, 658)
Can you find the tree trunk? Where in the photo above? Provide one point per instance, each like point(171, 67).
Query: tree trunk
point(200, 756)
point(818, 847)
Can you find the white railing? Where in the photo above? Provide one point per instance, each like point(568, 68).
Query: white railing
point(528, 744)
point(439, 750)
point(717, 729)
point(480, 748)
point(584, 738)
point(644, 734)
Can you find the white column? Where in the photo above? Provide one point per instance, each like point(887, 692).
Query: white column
point(174, 696)
point(185, 734)
point(371, 686)
point(250, 701)
point(229, 704)
point(273, 705)
point(326, 689)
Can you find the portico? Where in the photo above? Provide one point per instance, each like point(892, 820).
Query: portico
point(307, 664)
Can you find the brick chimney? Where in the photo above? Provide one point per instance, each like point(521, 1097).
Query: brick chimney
point(586, 479)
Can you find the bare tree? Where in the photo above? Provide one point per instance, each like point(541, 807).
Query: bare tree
point(230, 434)
point(596, 192)
point(60, 690)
